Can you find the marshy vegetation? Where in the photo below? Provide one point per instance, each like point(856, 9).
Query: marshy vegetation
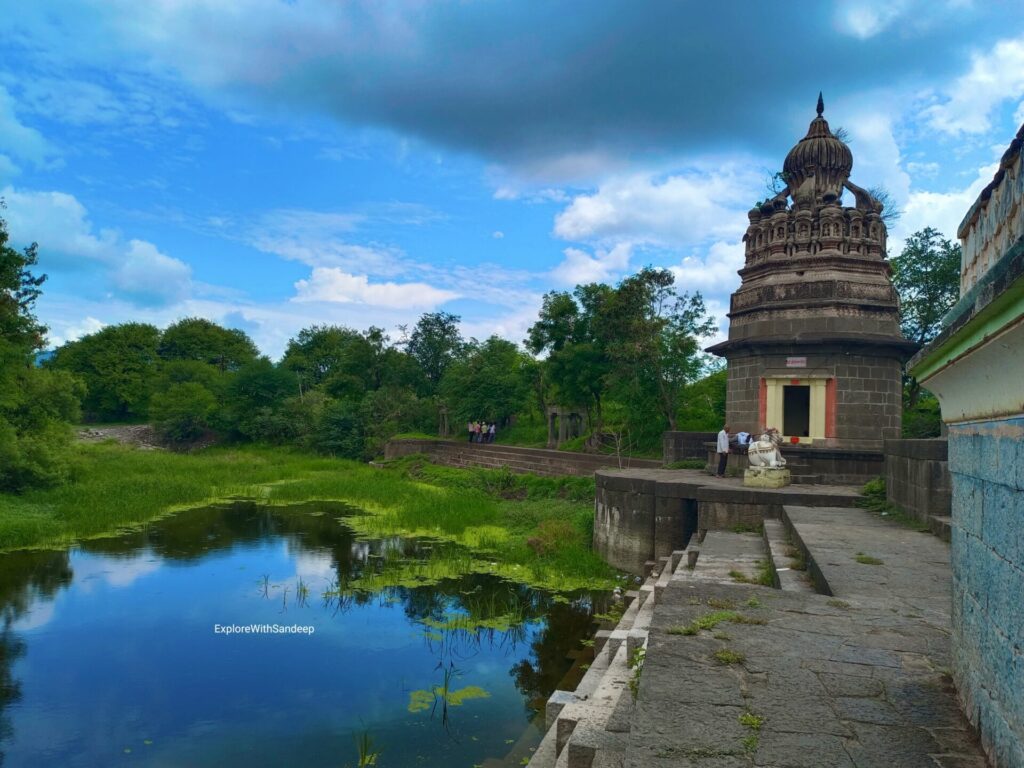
point(532, 529)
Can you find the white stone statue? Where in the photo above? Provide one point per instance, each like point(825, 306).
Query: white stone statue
point(764, 452)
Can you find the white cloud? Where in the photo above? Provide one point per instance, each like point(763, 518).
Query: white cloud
point(876, 154)
point(498, 235)
point(681, 209)
point(994, 77)
point(19, 140)
point(714, 273)
point(75, 330)
point(331, 284)
point(942, 210)
point(580, 267)
point(68, 242)
point(866, 18)
point(150, 276)
point(928, 170)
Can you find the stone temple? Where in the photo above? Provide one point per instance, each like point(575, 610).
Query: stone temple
point(815, 348)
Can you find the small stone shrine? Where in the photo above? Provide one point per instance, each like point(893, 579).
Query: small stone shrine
point(815, 348)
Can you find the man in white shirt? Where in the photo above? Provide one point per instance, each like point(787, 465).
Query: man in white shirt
point(723, 450)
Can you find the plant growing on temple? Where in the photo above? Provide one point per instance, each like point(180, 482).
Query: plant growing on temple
point(36, 405)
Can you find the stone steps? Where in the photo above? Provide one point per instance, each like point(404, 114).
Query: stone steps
point(778, 544)
point(589, 727)
point(725, 553)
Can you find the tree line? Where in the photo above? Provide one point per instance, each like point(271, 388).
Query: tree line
point(627, 356)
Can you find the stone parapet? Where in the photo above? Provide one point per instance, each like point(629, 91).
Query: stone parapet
point(537, 461)
point(677, 446)
point(917, 477)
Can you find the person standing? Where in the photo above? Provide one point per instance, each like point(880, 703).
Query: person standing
point(491, 432)
point(723, 450)
point(469, 428)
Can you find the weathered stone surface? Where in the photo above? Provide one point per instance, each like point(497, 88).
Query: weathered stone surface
point(538, 461)
point(859, 681)
point(645, 514)
point(766, 477)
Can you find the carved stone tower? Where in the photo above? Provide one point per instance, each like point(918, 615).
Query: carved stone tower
point(814, 345)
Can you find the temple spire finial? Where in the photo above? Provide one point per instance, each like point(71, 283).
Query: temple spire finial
point(821, 104)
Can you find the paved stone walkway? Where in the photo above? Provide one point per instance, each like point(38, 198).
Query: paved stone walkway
point(799, 680)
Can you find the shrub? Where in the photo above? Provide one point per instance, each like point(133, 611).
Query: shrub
point(182, 412)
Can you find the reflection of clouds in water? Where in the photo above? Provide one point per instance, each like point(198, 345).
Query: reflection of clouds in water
point(361, 550)
point(114, 571)
point(313, 566)
point(38, 615)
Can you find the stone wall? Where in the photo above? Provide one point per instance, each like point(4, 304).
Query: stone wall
point(538, 461)
point(917, 477)
point(868, 392)
point(987, 463)
point(827, 466)
point(645, 514)
point(685, 445)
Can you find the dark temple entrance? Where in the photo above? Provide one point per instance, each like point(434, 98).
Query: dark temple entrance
point(796, 410)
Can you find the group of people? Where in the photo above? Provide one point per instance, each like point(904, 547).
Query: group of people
point(481, 431)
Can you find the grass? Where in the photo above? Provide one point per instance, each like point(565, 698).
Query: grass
point(765, 575)
point(116, 488)
point(727, 656)
point(687, 464)
point(863, 559)
point(753, 723)
point(711, 620)
point(873, 498)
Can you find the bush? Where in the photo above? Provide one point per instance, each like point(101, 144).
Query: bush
point(182, 412)
point(923, 420)
point(340, 431)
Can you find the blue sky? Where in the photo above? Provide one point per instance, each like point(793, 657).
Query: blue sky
point(271, 164)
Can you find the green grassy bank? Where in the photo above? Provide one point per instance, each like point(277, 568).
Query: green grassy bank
point(532, 528)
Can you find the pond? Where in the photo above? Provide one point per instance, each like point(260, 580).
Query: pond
point(274, 636)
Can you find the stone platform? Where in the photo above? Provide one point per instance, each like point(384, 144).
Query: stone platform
point(738, 674)
point(646, 514)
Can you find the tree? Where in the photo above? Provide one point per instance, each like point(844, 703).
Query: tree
point(36, 405)
point(926, 276)
point(182, 412)
point(117, 365)
point(652, 336)
point(197, 339)
point(321, 352)
point(567, 329)
point(435, 342)
point(492, 381)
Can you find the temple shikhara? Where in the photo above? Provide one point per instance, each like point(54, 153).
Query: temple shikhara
point(815, 348)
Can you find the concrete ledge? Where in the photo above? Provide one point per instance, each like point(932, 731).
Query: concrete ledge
point(647, 514)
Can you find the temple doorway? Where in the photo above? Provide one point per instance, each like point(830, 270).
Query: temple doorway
point(796, 410)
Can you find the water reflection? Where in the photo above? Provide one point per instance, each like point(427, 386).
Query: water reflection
point(108, 655)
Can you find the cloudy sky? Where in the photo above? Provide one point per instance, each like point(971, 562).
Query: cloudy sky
point(270, 164)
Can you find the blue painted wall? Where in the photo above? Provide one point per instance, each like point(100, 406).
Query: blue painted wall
point(986, 459)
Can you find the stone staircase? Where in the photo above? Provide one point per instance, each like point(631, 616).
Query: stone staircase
point(589, 727)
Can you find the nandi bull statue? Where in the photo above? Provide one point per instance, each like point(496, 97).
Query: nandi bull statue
point(766, 465)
